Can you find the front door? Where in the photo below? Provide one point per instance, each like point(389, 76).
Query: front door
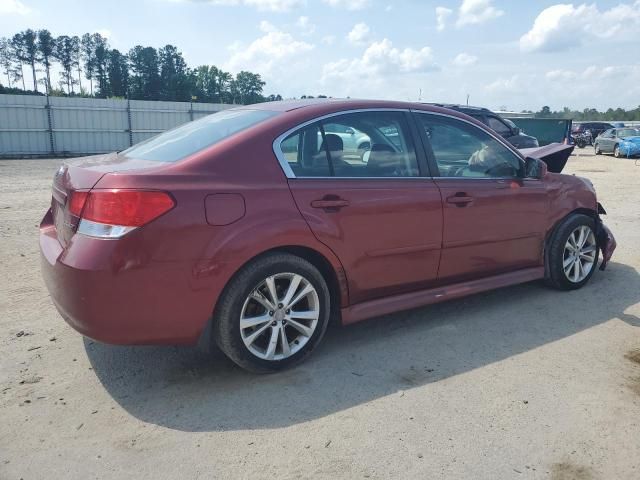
point(494, 218)
point(376, 212)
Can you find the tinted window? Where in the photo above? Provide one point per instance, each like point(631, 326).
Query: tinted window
point(498, 126)
point(194, 136)
point(628, 132)
point(463, 150)
point(365, 144)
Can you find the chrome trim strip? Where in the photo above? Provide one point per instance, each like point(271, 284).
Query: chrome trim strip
point(280, 154)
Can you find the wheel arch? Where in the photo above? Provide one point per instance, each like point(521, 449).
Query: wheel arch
point(577, 211)
point(333, 274)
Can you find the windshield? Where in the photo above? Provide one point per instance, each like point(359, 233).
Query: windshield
point(629, 132)
point(192, 137)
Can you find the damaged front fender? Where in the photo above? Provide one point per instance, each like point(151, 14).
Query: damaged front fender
point(604, 238)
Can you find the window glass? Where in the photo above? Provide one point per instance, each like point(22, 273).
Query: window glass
point(498, 126)
point(304, 153)
point(191, 137)
point(365, 144)
point(463, 150)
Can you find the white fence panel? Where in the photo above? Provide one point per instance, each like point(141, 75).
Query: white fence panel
point(32, 125)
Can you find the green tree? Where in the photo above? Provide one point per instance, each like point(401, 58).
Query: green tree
point(249, 87)
point(145, 77)
point(177, 82)
point(101, 53)
point(88, 56)
point(7, 62)
point(46, 45)
point(26, 51)
point(118, 73)
point(64, 52)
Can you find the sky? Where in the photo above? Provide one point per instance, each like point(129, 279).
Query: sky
point(507, 55)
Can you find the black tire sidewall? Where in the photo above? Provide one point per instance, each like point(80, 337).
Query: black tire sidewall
point(557, 277)
point(227, 316)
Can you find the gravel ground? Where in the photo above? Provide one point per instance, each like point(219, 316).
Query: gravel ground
point(522, 382)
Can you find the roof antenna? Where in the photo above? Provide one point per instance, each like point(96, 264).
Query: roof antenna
point(467, 99)
point(420, 96)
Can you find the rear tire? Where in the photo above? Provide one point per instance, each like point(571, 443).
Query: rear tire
point(616, 151)
point(597, 149)
point(572, 253)
point(262, 335)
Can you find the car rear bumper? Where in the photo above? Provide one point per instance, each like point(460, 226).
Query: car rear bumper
point(116, 301)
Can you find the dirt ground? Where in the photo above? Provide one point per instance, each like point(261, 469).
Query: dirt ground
point(522, 382)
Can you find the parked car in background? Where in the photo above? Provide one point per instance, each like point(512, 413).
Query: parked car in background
point(594, 128)
point(503, 126)
point(250, 228)
point(622, 142)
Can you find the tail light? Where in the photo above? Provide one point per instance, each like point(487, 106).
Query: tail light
point(112, 213)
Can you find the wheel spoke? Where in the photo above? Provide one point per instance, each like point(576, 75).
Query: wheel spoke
point(286, 350)
point(293, 288)
point(258, 297)
point(306, 331)
point(273, 342)
point(581, 238)
point(303, 293)
point(567, 263)
point(576, 270)
point(252, 338)
point(306, 315)
point(254, 321)
point(271, 286)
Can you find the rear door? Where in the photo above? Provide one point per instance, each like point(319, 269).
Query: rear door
point(380, 214)
point(494, 218)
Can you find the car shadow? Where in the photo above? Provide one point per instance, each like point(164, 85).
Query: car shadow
point(184, 389)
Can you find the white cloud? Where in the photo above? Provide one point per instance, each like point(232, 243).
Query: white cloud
point(382, 58)
point(563, 26)
point(464, 60)
point(265, 53)
point(442, 15)
point(348, 4)
point(263, 5)
point(560, 75)
point(16, 7)
point(329, 39)
point(476, 11)
point(504, 85)
point(304, 24)
point(359, 34)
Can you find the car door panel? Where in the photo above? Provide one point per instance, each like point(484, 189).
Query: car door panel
point(489, 234)
point(386, 232)
point(490, 225)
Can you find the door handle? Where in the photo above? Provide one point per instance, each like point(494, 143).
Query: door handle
point(460, 199)
point(330, 203)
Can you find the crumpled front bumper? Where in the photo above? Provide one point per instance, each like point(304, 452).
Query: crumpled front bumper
point(605, 239)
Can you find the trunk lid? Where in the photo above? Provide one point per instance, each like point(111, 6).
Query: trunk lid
point(82, 174)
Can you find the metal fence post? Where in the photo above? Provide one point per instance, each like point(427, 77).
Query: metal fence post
point(129, 122)
point(50, 126)
point(191, 110)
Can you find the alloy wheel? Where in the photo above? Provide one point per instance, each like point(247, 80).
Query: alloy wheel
point(579, 255)
point(279, 316)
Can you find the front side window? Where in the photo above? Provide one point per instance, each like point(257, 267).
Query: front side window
point(192, 137)
point(463, 150)
point(363, 144)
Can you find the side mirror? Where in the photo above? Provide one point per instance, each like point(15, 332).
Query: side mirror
point(535, 168)
point(516, 131)
point(350, 131)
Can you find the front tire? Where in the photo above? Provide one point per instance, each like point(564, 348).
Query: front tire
point(273, 313)
point(597, 149)
point(616, 151)
point(573, 253)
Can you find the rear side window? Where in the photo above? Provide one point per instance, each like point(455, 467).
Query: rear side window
point(364, 144)
point(463, 150)
point(498, 126)
point(194, 136)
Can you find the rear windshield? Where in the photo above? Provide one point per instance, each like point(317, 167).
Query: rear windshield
point(194, 136)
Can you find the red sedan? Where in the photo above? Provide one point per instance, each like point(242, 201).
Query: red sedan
point(252, 227)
